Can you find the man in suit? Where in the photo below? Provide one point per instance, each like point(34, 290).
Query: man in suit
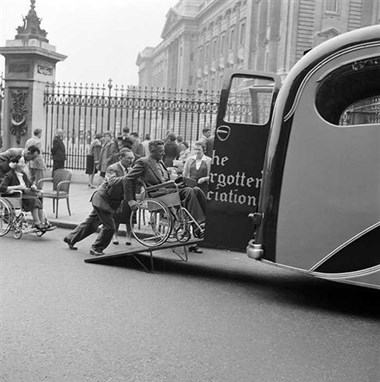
point(172, 150)
point(27, 155)
point(58, 151)
point(123, 214)
point(105, 201)
point(121, 167)
point(107, 152)
point(153, 172)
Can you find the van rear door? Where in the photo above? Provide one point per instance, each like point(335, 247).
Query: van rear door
point(241, 134)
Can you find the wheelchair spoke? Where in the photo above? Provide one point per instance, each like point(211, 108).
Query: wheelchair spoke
point(7, 216)
point(152, 223)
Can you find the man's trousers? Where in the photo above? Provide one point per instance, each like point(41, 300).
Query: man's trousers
point(91, 224)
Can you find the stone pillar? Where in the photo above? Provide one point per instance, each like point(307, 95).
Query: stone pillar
point(30, 63)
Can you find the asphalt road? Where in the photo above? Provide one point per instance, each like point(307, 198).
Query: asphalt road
point(219, 317)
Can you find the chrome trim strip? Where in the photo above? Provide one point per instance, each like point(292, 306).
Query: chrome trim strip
point(349, 241)
point(346, 278)
point(358, 283)
point(343, 275)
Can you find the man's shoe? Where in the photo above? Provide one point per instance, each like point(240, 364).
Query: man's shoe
point(96, 252)
point(198, 233)
point(195, 249)
point(69, 243)
point(49, 227)
point(37, 227)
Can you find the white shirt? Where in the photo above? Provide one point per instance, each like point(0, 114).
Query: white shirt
point(20, 178)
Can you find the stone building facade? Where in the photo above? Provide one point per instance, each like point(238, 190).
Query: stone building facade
point(203, 38)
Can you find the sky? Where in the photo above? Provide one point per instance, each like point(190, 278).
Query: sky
point(101, 38)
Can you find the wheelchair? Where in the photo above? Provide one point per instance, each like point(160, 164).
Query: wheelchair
point(13, 218)
point(162, 218)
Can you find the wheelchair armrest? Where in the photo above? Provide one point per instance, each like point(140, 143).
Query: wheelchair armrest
point(13, 192)
point(41, 181)
point(161, 185)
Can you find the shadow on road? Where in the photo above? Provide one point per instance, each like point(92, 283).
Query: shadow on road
point(288, 287)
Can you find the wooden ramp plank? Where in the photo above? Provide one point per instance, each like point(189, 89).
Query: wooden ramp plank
point(139, 250)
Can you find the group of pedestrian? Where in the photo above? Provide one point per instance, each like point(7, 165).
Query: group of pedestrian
point(105, 150)
point(114, 200)
point(124, 163)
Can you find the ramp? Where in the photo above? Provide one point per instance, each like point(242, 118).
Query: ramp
point(140, 250)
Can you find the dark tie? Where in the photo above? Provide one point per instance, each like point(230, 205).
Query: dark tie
point(163, 171)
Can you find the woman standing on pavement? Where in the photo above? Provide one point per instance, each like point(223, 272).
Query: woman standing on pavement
point(36, 166)
point(198, 167)
point(92, 159)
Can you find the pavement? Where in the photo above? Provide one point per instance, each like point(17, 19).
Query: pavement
point(80, 207)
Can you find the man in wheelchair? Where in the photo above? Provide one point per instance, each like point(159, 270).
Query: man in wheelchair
point(152, 171)
point(17, 180)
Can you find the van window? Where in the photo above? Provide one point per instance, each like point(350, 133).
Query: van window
point(350, 95)
point(249, 100)
point(363, 112)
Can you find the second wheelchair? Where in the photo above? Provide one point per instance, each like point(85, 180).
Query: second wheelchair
point(14, 218)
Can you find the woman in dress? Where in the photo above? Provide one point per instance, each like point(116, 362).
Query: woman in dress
point(198, 167)
point(16, 179)
point(92, 159)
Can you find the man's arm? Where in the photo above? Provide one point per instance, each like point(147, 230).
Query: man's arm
point(186, 168)
point(136, 172)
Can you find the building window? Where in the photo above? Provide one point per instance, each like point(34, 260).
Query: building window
point(200, 56)
point(214, 48)
point(332, 6)
point(232, 37)
point(242, 34)
point(222, 44)
point(207, 50)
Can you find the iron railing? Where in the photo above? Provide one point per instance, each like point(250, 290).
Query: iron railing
point(82, 110)
point(2, 87)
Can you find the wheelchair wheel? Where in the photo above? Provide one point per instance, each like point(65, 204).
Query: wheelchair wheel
point(183, 233)
point(18, 226)
point(17, 232)
point(151, 222)
point(7, 217)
